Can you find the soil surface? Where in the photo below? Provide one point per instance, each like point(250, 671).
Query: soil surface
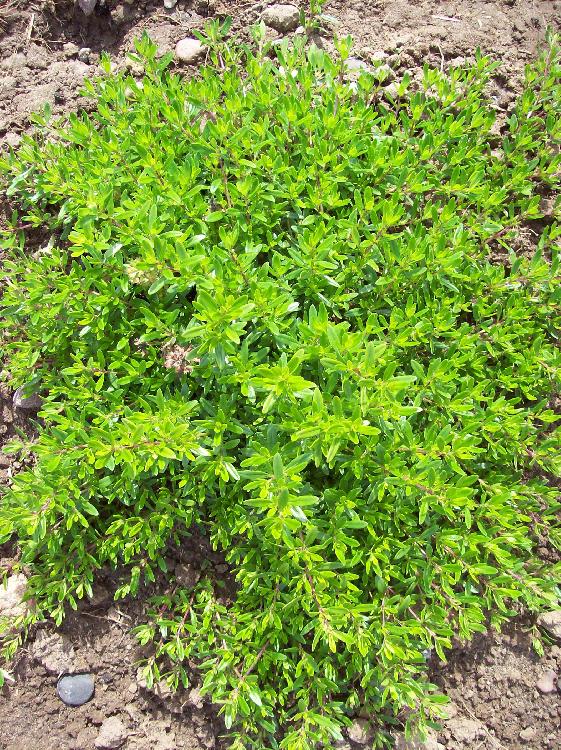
point(503, 695)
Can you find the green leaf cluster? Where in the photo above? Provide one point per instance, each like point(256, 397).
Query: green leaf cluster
point(292, 311)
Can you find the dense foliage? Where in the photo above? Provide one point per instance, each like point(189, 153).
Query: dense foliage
point(288, 311)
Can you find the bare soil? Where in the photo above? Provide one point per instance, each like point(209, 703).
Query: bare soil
point(492, 681)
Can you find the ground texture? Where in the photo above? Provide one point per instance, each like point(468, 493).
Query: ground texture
point(503, 695)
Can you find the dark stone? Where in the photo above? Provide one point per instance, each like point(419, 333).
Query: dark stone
point(75, 689)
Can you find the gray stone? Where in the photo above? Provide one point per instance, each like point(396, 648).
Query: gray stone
point(75, 689)
point(547, 682)
point(282, 17)
point(189, 50)
point(53, 652)
point(5, 463)
point(170, 4)
point(31, 402)
point(37, 57)
point(551, 623)
point(86, 6)
point(112, 734)
point(360, 732)
point(11, 596)
point(84, 55)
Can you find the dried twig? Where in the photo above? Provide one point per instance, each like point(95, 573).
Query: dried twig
point(29, 29)
point(446, 18)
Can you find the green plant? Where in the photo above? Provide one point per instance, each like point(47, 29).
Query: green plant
point(288, 311)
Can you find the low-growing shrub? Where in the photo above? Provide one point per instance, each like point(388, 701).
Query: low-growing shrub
point(290, 311)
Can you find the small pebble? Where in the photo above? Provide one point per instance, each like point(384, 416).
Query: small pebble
point(75, 689)
point(282, 17)
point(551, 623)
point(84, 55)
point(547, 682)
point(354, 64)
point(31, 402)
point(189, 50)
point(70, 49)
point(170, 4)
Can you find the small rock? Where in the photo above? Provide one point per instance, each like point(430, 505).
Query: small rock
point(391, 92)
point(54, 652)
point(70, 49)
point(189, 50)
point(378, 56)
point(37, 57)
point(360, 732)
point(465, 730)
point(547, 682)
point(86, 6)
point(75, 689)
point(353, 64)
point(170, 4)
point(120, 14)
point(5, 463)
point(551, 623)
point(112, 734)
point(32, 402)
point(11, 596)
point(186, 575)
point(527, 734)
point(12, 139)
point(133, 688)
point(282, 17)
point(84, 55)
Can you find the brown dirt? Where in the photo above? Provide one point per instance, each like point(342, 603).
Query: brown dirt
point(492, 682)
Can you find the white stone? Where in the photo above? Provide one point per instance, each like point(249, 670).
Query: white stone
point(354, 64)
point(551, 622)
point(189, 50)
point(11, 596)
point(282, 17)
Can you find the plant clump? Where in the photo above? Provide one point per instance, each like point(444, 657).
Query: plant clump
point(288, 312)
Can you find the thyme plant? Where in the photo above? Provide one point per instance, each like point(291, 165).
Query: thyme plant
point(292, 312)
